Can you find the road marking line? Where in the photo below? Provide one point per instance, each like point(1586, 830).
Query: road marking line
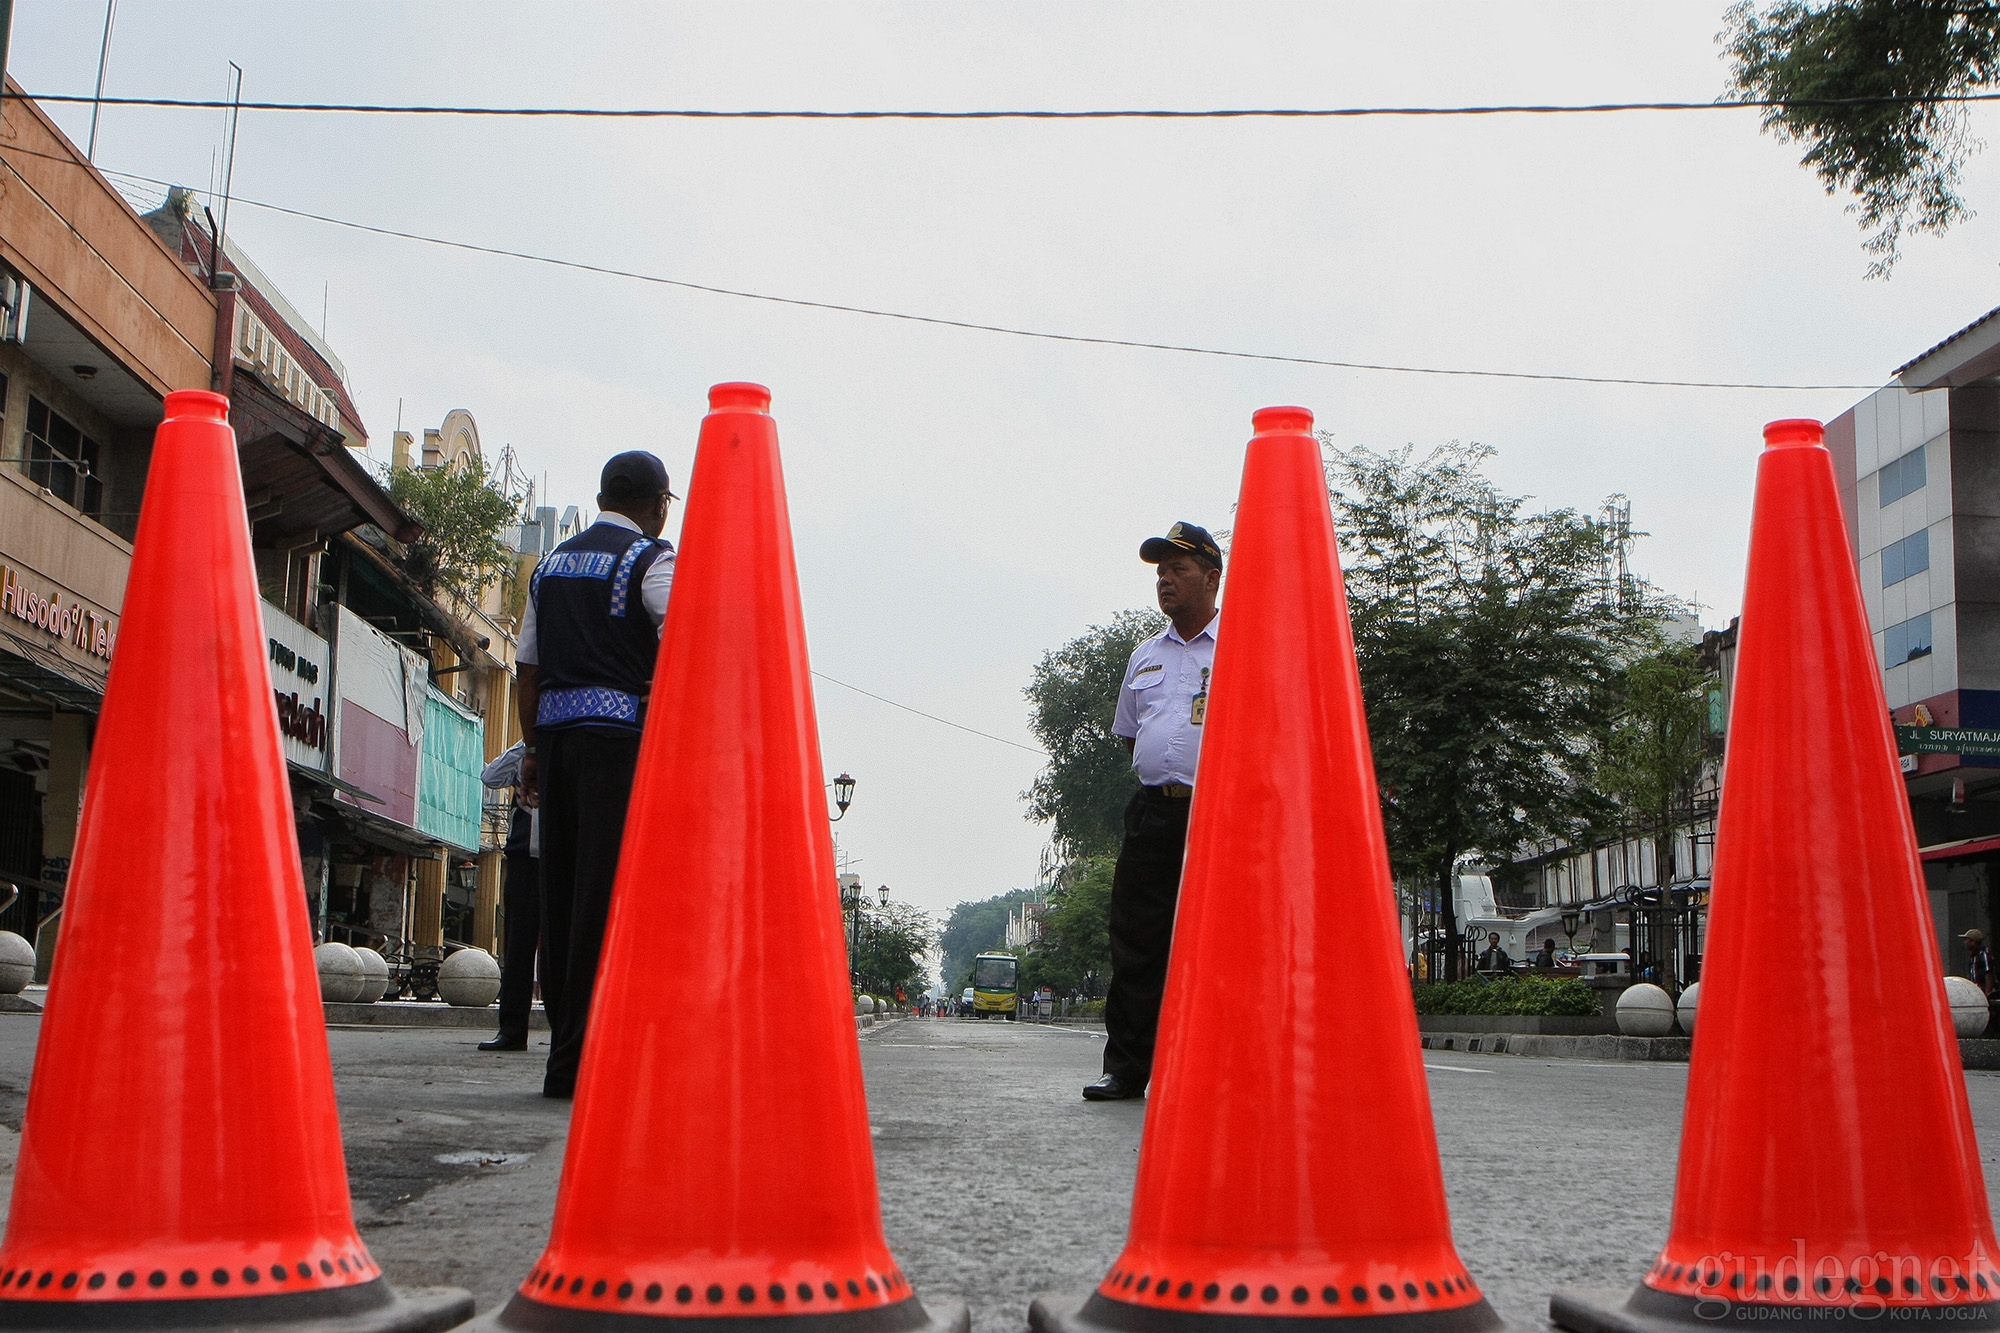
point(1460, 1069)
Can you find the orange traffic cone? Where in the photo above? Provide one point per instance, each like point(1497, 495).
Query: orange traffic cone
point(1828, 1170)
point(180, 1163)
point(1289, 1169)
point(719, 1160)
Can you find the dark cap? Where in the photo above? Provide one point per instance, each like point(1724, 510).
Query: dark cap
point(1182, 537)
point(635, 475)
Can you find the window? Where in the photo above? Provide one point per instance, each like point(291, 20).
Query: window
point(62, 458)
point(1912, 555)
point(1901, 477)
point(1910, 639)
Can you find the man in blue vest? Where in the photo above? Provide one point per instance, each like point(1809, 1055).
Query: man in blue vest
point(589, 639)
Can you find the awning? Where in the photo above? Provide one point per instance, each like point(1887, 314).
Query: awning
point(315, 776)
point(1959, 850)
point(43, 673)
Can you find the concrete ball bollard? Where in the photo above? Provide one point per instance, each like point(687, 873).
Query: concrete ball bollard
point(863, 1005)
point(1645, 1010)
point(374, 975)
point(469, 979)
point(1969, 1008)
point(17, 963)
point(1690, 998)
point(340, 974)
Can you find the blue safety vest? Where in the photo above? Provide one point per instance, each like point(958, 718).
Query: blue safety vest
point(596, 642)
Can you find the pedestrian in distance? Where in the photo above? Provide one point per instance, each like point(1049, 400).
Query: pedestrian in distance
point(1978, 961)
point(521, 894)
point(1493, 960)
point(1162, 704)
point(589, 642)
point(1547, 957)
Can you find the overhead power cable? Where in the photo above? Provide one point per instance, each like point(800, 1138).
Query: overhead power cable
point(960, 726)
point(1014, 332)
point(1127, 113)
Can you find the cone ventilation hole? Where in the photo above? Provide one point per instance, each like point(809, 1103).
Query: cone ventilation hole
point(1945, 1282)
point(1170, 1290)
point(698, 1297)
point(342, 1270)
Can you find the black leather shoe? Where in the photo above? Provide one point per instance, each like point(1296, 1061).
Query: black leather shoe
point(1111, 1088)
point(505, 1044)
point(561, 1092)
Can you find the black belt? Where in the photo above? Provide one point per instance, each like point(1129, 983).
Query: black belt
point(1172, 791)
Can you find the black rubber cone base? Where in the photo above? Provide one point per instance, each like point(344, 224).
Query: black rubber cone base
point(522, 1315)
point(1099, 1314)
point(1647, 1311)
point(371, 1307)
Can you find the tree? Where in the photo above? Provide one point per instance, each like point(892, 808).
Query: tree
point(896, 943)
point(975, 927)
point(1900, 159)
point(1084, 787)
point(1488, 641)
point(1074, 952)
point(1659, 742)
point(464, 516)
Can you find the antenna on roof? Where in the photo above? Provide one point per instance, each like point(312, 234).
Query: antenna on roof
point(103, 58)
point(229, 160)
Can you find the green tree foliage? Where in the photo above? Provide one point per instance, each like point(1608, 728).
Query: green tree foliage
point(1564, 996)
point(1659, 741)
point(1900, 160)
point(464, 516)
point(895, 947)
point(973, 928)
point(1073, 693)
point(1074, 953)
point(1489, 641)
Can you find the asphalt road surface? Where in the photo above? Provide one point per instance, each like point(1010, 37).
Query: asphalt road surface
point(998, 1181)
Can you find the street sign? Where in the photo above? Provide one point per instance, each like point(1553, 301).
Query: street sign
point(1973, 741)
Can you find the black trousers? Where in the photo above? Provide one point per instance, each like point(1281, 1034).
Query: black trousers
point(1144, 889)
point(585, 776)
point(522, 890)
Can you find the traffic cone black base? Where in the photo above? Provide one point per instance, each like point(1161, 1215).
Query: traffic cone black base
point(523, 1315)
point(371, 1307)
point(1648, 1311)
point(1098, 1313)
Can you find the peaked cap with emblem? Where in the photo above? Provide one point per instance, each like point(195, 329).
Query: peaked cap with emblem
point(1182, 538)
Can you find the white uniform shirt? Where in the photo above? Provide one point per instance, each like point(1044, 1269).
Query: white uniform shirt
point(653, 591)
point(1156, 704)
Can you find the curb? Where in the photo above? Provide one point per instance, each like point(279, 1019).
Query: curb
point(423, 1014)
point(1656, 1049)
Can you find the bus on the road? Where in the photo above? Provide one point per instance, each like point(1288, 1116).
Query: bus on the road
point(995, 985)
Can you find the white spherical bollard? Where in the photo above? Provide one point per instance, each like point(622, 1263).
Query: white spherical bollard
point(1645, 1010)
point(1969, 1008)
point(340, 974)
point(1685, 1009)
point(374, 976)
point(469, 979)
point(17, 963)
point(863, 1005)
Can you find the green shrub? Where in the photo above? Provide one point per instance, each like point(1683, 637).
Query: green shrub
point(1540, 996)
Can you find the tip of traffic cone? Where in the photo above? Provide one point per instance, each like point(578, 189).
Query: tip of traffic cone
point(698, 1183)
point(1288, 1172)
point(1281, 421)
point(739, 396)
point(185, 981)
point(1828, 1166)
point(1793, 432)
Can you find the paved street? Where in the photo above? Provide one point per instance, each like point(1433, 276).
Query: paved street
point(980, 1132)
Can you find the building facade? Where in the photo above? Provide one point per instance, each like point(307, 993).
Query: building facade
point(98, 323)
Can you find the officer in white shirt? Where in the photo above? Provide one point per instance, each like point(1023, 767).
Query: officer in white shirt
point(1161, 707)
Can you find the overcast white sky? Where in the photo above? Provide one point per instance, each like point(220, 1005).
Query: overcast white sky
point(964, 501)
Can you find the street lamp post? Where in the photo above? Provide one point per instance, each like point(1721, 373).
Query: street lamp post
point(1571, 920)
point(850, 903)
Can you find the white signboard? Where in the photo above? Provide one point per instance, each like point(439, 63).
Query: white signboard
point(298, 678)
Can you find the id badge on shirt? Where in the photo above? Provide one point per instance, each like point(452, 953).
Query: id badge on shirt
point(1198, 709)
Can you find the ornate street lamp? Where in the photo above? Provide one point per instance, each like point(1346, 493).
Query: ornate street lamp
point(1572, 920)
point(883, 892)
point(843, 795)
